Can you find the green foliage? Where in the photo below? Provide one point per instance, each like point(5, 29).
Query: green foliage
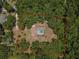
point(8, 38)
point(1, 3)
point(72, 41)
point(1, 29)
point(9, 23)
point(47, 50)
point(23, 44)
point(68, 8)
point(35, 45)
point(22, 56)
point(42, 57)
point(7, 6)
point(27, 8)
point(4, 52)
point(21, 23)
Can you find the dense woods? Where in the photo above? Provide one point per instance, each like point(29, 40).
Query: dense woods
point(62, 17)
point(66, 12)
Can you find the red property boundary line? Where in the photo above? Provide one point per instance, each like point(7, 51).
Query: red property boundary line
point(45, 14)
point(65, 27)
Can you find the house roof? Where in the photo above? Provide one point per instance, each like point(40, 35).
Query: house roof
point(40, 31)
point(3, 18)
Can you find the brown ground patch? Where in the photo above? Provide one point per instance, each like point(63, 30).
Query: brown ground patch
point(31, 36)
point(48, 33)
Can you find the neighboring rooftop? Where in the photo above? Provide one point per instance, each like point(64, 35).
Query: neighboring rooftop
point(3, 18)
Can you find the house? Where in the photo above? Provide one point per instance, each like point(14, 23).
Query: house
point(42, 32)
point(3, 18)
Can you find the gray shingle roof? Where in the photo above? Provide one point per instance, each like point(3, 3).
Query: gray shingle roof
point(40, 31)
point(3, 18)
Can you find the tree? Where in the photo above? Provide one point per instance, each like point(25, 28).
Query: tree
point(8, 38)
point(8, 7)
point(9, 23)
point(22, 56)
point(35, 45)
point(4, 52)
point(23, 44)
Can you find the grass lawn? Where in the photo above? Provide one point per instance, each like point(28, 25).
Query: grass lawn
point(12, 57)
